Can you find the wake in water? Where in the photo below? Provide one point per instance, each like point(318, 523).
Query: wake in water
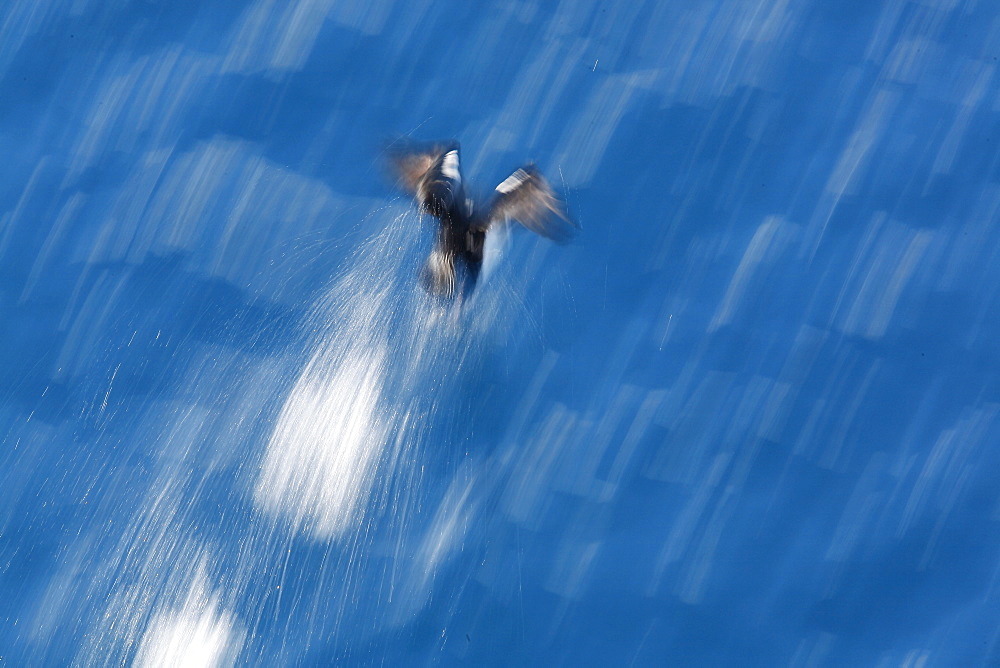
point(382, 356)
point(350, 458)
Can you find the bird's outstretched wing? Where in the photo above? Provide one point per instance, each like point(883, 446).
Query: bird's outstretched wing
point(431, 173)
point(525, 196)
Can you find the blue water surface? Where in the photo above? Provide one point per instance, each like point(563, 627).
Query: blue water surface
point(750, 416)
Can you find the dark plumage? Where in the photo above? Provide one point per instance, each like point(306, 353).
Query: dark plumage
point(432, 174)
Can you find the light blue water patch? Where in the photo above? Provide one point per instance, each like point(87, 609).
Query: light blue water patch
point(747, 418)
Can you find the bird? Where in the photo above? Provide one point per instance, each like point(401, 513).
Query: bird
point(432, 174)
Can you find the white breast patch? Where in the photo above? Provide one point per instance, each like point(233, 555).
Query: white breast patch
point(449, 166)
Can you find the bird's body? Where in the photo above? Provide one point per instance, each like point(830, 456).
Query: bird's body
point(433, 176)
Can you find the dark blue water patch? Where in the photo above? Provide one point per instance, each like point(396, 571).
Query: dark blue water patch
point(30, 371)
point(883, 602)
point(840, 33)
point(160, 311)
point(36, 71)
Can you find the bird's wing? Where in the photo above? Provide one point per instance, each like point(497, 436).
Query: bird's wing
point(525, 196)
point(431, 173)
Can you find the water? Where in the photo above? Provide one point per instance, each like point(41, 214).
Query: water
point(747, 418)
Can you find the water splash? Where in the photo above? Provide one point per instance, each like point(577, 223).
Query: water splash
point(381, 361)
point(197, 633)
point(350, 451)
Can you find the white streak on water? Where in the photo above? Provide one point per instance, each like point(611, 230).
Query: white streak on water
point(880, 272)
point(320, 462)
point(853, 164)
point(981, 76)
point(585, 142)
point(440, 542)
point(321, 459)
point(767, 241)
point(382, 362)
point(199, 632)
point(140, 103)
point(275, 36)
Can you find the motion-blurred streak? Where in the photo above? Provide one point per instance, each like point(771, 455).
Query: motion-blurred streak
point(153, 585)
point(585, 142)
point(22, 19)
point(196, 632)
point(275, 37)
point(162, 207)
point(321, 460)
point(383, 358)
point(439, 543)
point(140, 104)
point(884, 265)
point(766, 247)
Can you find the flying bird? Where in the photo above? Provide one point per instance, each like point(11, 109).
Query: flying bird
point(433, 175)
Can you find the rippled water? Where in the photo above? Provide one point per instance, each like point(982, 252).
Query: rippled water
point(747, 418)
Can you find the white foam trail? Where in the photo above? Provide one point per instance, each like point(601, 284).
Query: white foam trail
point(320, 462)
point(382, 358)
point(322, 458)
point(196, 633)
